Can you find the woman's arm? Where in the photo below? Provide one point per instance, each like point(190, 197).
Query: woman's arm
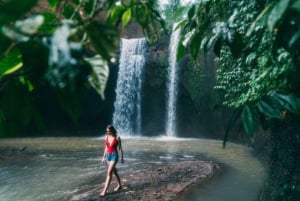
point(120, 149)
point(103, 158)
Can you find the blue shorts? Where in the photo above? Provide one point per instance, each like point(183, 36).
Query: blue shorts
point(112, 157)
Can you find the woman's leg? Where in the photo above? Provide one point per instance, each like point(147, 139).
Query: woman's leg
point(110, 170)
point(115, 172)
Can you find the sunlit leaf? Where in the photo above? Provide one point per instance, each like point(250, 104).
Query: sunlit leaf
point(126, 17)
point(99, 75)
point(116, 13)
point(11, 62)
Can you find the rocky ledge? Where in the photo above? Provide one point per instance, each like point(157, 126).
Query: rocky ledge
point(153, 183)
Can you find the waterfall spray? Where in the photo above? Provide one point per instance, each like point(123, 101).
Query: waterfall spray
point(127, 106)
point(172, 84)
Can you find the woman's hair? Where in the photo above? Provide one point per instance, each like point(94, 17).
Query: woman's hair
point(112, 129)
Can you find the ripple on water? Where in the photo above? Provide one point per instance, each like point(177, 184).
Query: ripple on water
point(58, 166)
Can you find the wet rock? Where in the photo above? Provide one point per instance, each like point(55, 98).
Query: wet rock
point(151, 184)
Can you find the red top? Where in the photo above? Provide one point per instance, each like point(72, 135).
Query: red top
point(111, 147)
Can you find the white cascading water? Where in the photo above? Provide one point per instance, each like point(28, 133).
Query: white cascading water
point(172, 83)
point(127, 106)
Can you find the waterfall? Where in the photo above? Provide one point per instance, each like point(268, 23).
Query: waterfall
point(127, 106)
point(172, 84)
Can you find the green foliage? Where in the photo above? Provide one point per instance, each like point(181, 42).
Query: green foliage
point(58, 46)
point(257, 53)
point(17, 113)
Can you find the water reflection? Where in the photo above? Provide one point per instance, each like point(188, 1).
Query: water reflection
point(54, 168)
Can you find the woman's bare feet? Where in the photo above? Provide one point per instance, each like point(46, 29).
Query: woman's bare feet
point(117, 188)
point(103, 194)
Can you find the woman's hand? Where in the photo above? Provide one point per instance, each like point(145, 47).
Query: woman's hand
point(122, 160)
point(103, 160)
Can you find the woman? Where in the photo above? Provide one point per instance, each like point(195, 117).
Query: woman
point(112, 147)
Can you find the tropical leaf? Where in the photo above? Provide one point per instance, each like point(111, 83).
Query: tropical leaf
point(289, 102)
point(116, 13)
point(99, 75)
point(249, 121)
point(11, 62)
point(269, 107)
point(126, 17)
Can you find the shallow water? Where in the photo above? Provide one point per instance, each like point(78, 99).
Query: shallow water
point(53, 168)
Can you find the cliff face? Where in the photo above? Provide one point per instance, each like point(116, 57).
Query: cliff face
point(195, 115)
